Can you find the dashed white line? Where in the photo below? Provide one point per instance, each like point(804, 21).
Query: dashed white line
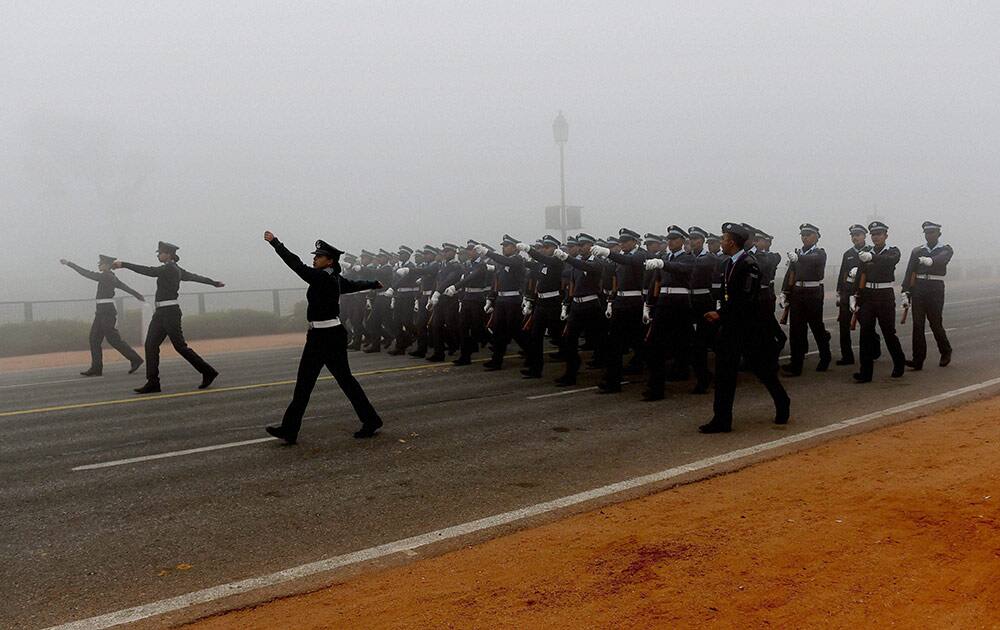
point(189, 451)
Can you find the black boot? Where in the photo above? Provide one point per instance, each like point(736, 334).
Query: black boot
point(368, 429)
point(206, 379)
point(281, 434)
point(135, 366)
point(151, 387)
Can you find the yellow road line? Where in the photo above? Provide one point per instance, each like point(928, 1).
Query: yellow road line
point(218, 390)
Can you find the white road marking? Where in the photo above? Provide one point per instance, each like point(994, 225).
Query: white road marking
point(81, 379)
point(138, 613)
point(189, 451)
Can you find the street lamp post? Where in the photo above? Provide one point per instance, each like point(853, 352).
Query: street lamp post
point(560, 131)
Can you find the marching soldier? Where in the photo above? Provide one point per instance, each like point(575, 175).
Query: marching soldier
point(846, 279)
point(425, 274)
point(702, 301)
point(404, 295)
point(352, 307)
point(380, 320)
point(743, 332)
point(545, 311)
point(624, 309)
point(326, 340)
point(472, 289)
point(768, 262)
point(876, 302)
point(714, 245)
point(672, 330)
point(443, 308)
point(166, 321)
point(803, 290)
point(508, 299)
point(923, 288)
point(581, 306)
point(106, 315)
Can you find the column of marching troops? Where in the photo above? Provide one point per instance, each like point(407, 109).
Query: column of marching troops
point(663, 302)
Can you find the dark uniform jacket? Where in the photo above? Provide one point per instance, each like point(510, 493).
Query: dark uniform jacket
point(940, 254)
point(168, 278)
point(585, 276)
point(548, 273)
point(882, 267)
point(849, 261)
point(510, 273)
point(630, 269)
point(325, 285)
point(675, 274)
point(107, 282)
point(742, 324)
point(810, 267)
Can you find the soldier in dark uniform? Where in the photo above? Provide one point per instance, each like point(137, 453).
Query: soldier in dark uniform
point(507, 316)
point(713, 243)
point(444, 308)
point(672, 324)
point(581, 307)
point(352, 307)
point(364, 270)
point(768, 262)
point(326, 340)
point(472, 289)
point(702, 301)
point(876, 303)
point(106, 315)
point(166, 321)
point(404, 296)
point(625, 305)
point(846, 279)
point(423, 273)
point(742, 333)
point(923, 287)
point(806, 268)
point(380, 320)
point(547, 304)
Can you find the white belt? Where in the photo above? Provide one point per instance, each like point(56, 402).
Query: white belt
point(586, 298)
point(645, 291)
point(407, 289)
point(476, 290)
point(879, 285)
point(716, 285)
point(636, 293)
point(326, 323)
point(700, 291)
point(167, 303)
point(380, 294)
point(929, 276)
point(548, 294)
point(809, 284)
point(427, 292)
point(105, 301)
point(677, 291)
point(508, 293)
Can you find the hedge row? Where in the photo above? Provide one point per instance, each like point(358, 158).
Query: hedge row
point(62, 335)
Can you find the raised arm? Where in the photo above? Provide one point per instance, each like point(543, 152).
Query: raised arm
point(309, 274)
point(510, 261)
point(152, 272)
point(86, 273)
point(590, 266)
point(635, 260)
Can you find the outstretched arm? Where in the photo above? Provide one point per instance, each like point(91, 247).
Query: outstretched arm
point(152, 272)
point(309, 274)
point(187, 276)
point(86, 273)
point(355, 286)
point(127, 289)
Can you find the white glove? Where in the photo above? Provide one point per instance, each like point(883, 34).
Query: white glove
point(481, 250)
point(524, 255)
point(852, 274)
point(607, 311)
point(389, 292)
point(654, 263)
point(718, 305)
point(368, 303)
point(392, 303)
point(905, 300)
point(402, 272)
point(431, 303)
point(488, 307)
point(523, 247)
point(356, 268)
point(600, 252)
point(450, 291)
point(782, 301)
point(564, 311)
point(416, 306)
point(926, 261)
point(560, 254)
point(491, 268)
point(792, 256)
point(838, 301)
point(646, 315)
point(865, 256)
point(854, 304)
point(526, 307)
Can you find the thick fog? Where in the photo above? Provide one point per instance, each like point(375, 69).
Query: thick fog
point(375, 124)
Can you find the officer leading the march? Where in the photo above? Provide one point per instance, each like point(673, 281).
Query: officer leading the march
point(923, 288)
point(106, 315)
point(166, 321)
point(326, 340)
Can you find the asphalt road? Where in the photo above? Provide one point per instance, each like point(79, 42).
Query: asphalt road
point(459, 444)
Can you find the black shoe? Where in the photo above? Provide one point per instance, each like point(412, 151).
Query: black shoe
point(416, 354)
point(280, 433)
point(372, 349)
point(913, 365)
point(945, 359)
point(608, 388)
point(526, 374)
point(149, 388)
point(566, 381)
point(861, 378)
point(788, 370)
point(135, 366)
point(354, 348)
point(846, 361)
point(492, 366)
point(715, 427)
point(823, 365)
point(782, 413)
point(460, 361)
point(396, 352)
point(435, 358)
point(651, 395)
point(368, 429)
point(90, 373)
point(898, 371)
point(206, 379)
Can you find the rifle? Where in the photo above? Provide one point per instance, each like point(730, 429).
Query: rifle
point(906, 309)
point(788, 306)
point(862, 280)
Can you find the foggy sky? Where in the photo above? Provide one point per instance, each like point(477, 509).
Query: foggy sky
point(374, 124)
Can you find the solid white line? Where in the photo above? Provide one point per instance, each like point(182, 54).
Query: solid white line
point(66, 380)
point(146, 458)
point(130, 615)
point(564, 392)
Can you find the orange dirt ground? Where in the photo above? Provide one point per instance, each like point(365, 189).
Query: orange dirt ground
point(895, 527)
point(113, 359)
